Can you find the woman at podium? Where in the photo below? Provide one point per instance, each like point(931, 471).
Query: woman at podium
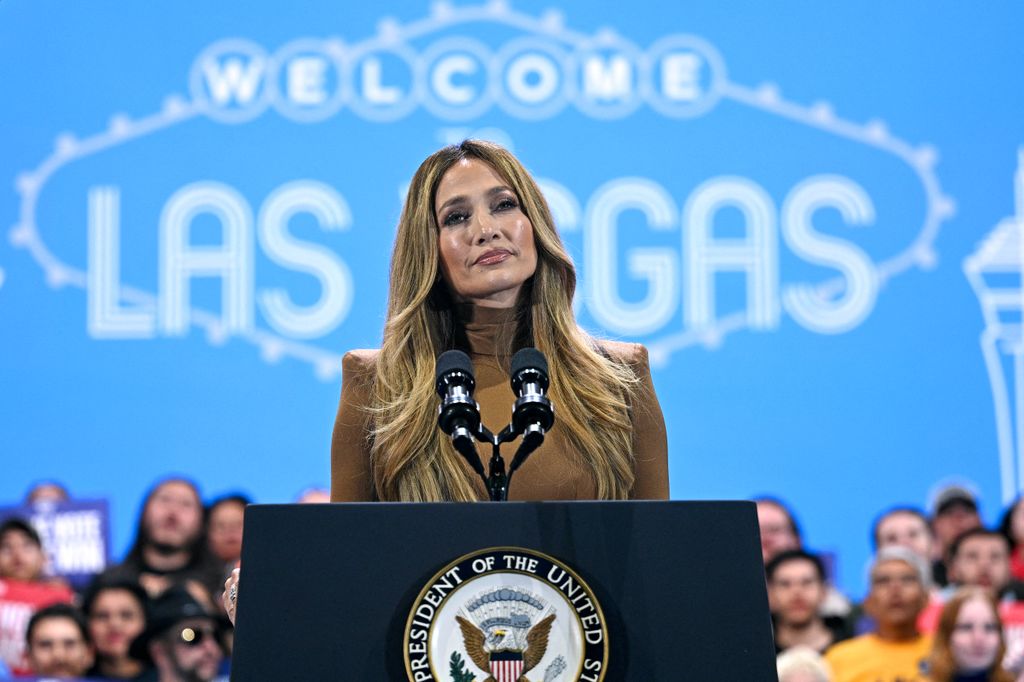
point(479, 266)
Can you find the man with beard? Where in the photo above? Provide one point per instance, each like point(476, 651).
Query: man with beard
point(796, 591)
point(896, 651)
point(170, 544)
point(981, 558)
point(57, 643)
point(182, 639)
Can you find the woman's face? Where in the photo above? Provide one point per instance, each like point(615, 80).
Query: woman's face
point(903, 529)
point(485, 239)
point(975, 638)
point(225, 530)
point(116, 620)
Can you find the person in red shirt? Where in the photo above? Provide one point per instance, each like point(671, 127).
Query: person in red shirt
point(981, 558)
point(24, 589)
point(21, 552)
point(1012, 528)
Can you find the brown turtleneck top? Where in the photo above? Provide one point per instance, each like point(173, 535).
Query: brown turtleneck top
point(550, 473)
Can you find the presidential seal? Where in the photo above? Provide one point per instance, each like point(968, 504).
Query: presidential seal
point(506, 614)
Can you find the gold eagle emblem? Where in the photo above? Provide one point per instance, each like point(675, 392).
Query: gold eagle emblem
point(476, 643)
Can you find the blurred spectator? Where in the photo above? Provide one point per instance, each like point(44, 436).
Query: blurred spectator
point(896, 596)
point(969, 642)
point(314, 496)
point(796, 592)
point(224, 521)
point(116, 614)
point(58, 643)
point(21, 552)
point(47, 491)
point(170, 543)
point(981, 558)
point(182, 638)
point(904, 527)
point(23, 589)
point(779, 530)
point(802, 664)
point(1012, 528)
point(955, 511)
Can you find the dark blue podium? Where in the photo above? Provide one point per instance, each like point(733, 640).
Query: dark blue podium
point(327, 591)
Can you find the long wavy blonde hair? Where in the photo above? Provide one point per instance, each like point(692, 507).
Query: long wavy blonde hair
point(412, 460)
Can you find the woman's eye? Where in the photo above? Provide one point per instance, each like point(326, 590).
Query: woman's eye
point(454, 218)
point(506, 204)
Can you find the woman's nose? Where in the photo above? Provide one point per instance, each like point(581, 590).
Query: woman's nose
point(485, 230)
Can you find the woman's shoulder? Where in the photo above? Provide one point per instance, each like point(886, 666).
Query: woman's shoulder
point(624, 352)
point(360, 361)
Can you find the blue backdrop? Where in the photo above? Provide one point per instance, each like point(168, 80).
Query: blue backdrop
point(806, 211)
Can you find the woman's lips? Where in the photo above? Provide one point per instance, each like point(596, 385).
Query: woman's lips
point(493, 257)
point(115, 638)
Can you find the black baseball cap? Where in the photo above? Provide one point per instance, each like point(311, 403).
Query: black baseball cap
point(954, 496)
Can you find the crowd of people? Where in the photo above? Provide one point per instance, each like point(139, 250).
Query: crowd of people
point(155, 616)
point(942, 601)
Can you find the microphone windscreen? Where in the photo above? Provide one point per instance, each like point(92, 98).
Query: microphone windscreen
point(453, 360)
point(529, 358)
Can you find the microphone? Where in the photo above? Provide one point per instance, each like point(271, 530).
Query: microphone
point(532, 413)
point(458, 415)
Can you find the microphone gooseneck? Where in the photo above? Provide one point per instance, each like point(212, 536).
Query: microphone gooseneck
point(459, 414)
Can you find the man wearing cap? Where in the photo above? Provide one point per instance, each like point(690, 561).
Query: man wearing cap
point(954, 512)
point(182, 639)
point(896, 651)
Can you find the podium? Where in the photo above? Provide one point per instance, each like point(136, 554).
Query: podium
point(362, 591)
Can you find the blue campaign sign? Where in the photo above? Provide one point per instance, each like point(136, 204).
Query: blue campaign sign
point(75, 536)
point(807, 213)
